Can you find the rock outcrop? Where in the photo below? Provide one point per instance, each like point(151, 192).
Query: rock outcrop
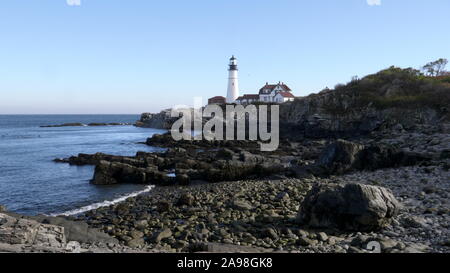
point(161, 120)
point(76, 230)
point(16, 231)
point(353, 207)
point(45, 234)
point(343, 156)
point(107, 173)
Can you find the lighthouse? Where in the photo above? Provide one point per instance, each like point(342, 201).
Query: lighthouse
point(233, 82)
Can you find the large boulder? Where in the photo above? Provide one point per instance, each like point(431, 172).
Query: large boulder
point(352, 207)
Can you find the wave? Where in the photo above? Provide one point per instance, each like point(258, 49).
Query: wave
point(105, 203)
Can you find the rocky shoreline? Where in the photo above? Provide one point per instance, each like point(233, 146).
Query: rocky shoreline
point(261, 213)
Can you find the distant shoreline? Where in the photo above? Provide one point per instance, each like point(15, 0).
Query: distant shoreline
point(93, 124)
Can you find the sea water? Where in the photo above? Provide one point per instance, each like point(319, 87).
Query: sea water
point(31, 183)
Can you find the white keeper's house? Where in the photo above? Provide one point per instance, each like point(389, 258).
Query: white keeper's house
point(279, 93)
point(269, 93)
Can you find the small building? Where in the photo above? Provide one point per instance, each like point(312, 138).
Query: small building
point(217, 100)
point(247, 99)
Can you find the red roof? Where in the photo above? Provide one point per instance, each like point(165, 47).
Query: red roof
point(286, 94)
point(217, 98)
point(272, 86)
point(268, 86)
point(251, 96)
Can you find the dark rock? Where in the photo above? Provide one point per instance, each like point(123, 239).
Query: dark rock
point(164, 206)
point(107, 173)
point(348, 207)
point(225, 153)
point(104, 174)
point(183, 179)
point(344, 156)
point(429, 190)
point(340, 157)
point(75, 124)
point(186, 199)
point(445, 154)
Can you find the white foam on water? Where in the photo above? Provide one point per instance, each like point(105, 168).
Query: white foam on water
point(105, 203)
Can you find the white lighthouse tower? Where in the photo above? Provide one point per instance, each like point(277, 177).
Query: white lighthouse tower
point(233, 82)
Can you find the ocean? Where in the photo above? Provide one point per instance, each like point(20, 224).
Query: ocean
point(31, 183)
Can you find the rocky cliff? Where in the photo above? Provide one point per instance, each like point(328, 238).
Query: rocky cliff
point(394, 98)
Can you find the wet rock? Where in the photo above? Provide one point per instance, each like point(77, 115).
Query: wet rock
point(348, 207)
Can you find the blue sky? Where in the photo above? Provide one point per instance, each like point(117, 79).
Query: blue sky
point(132, 56)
